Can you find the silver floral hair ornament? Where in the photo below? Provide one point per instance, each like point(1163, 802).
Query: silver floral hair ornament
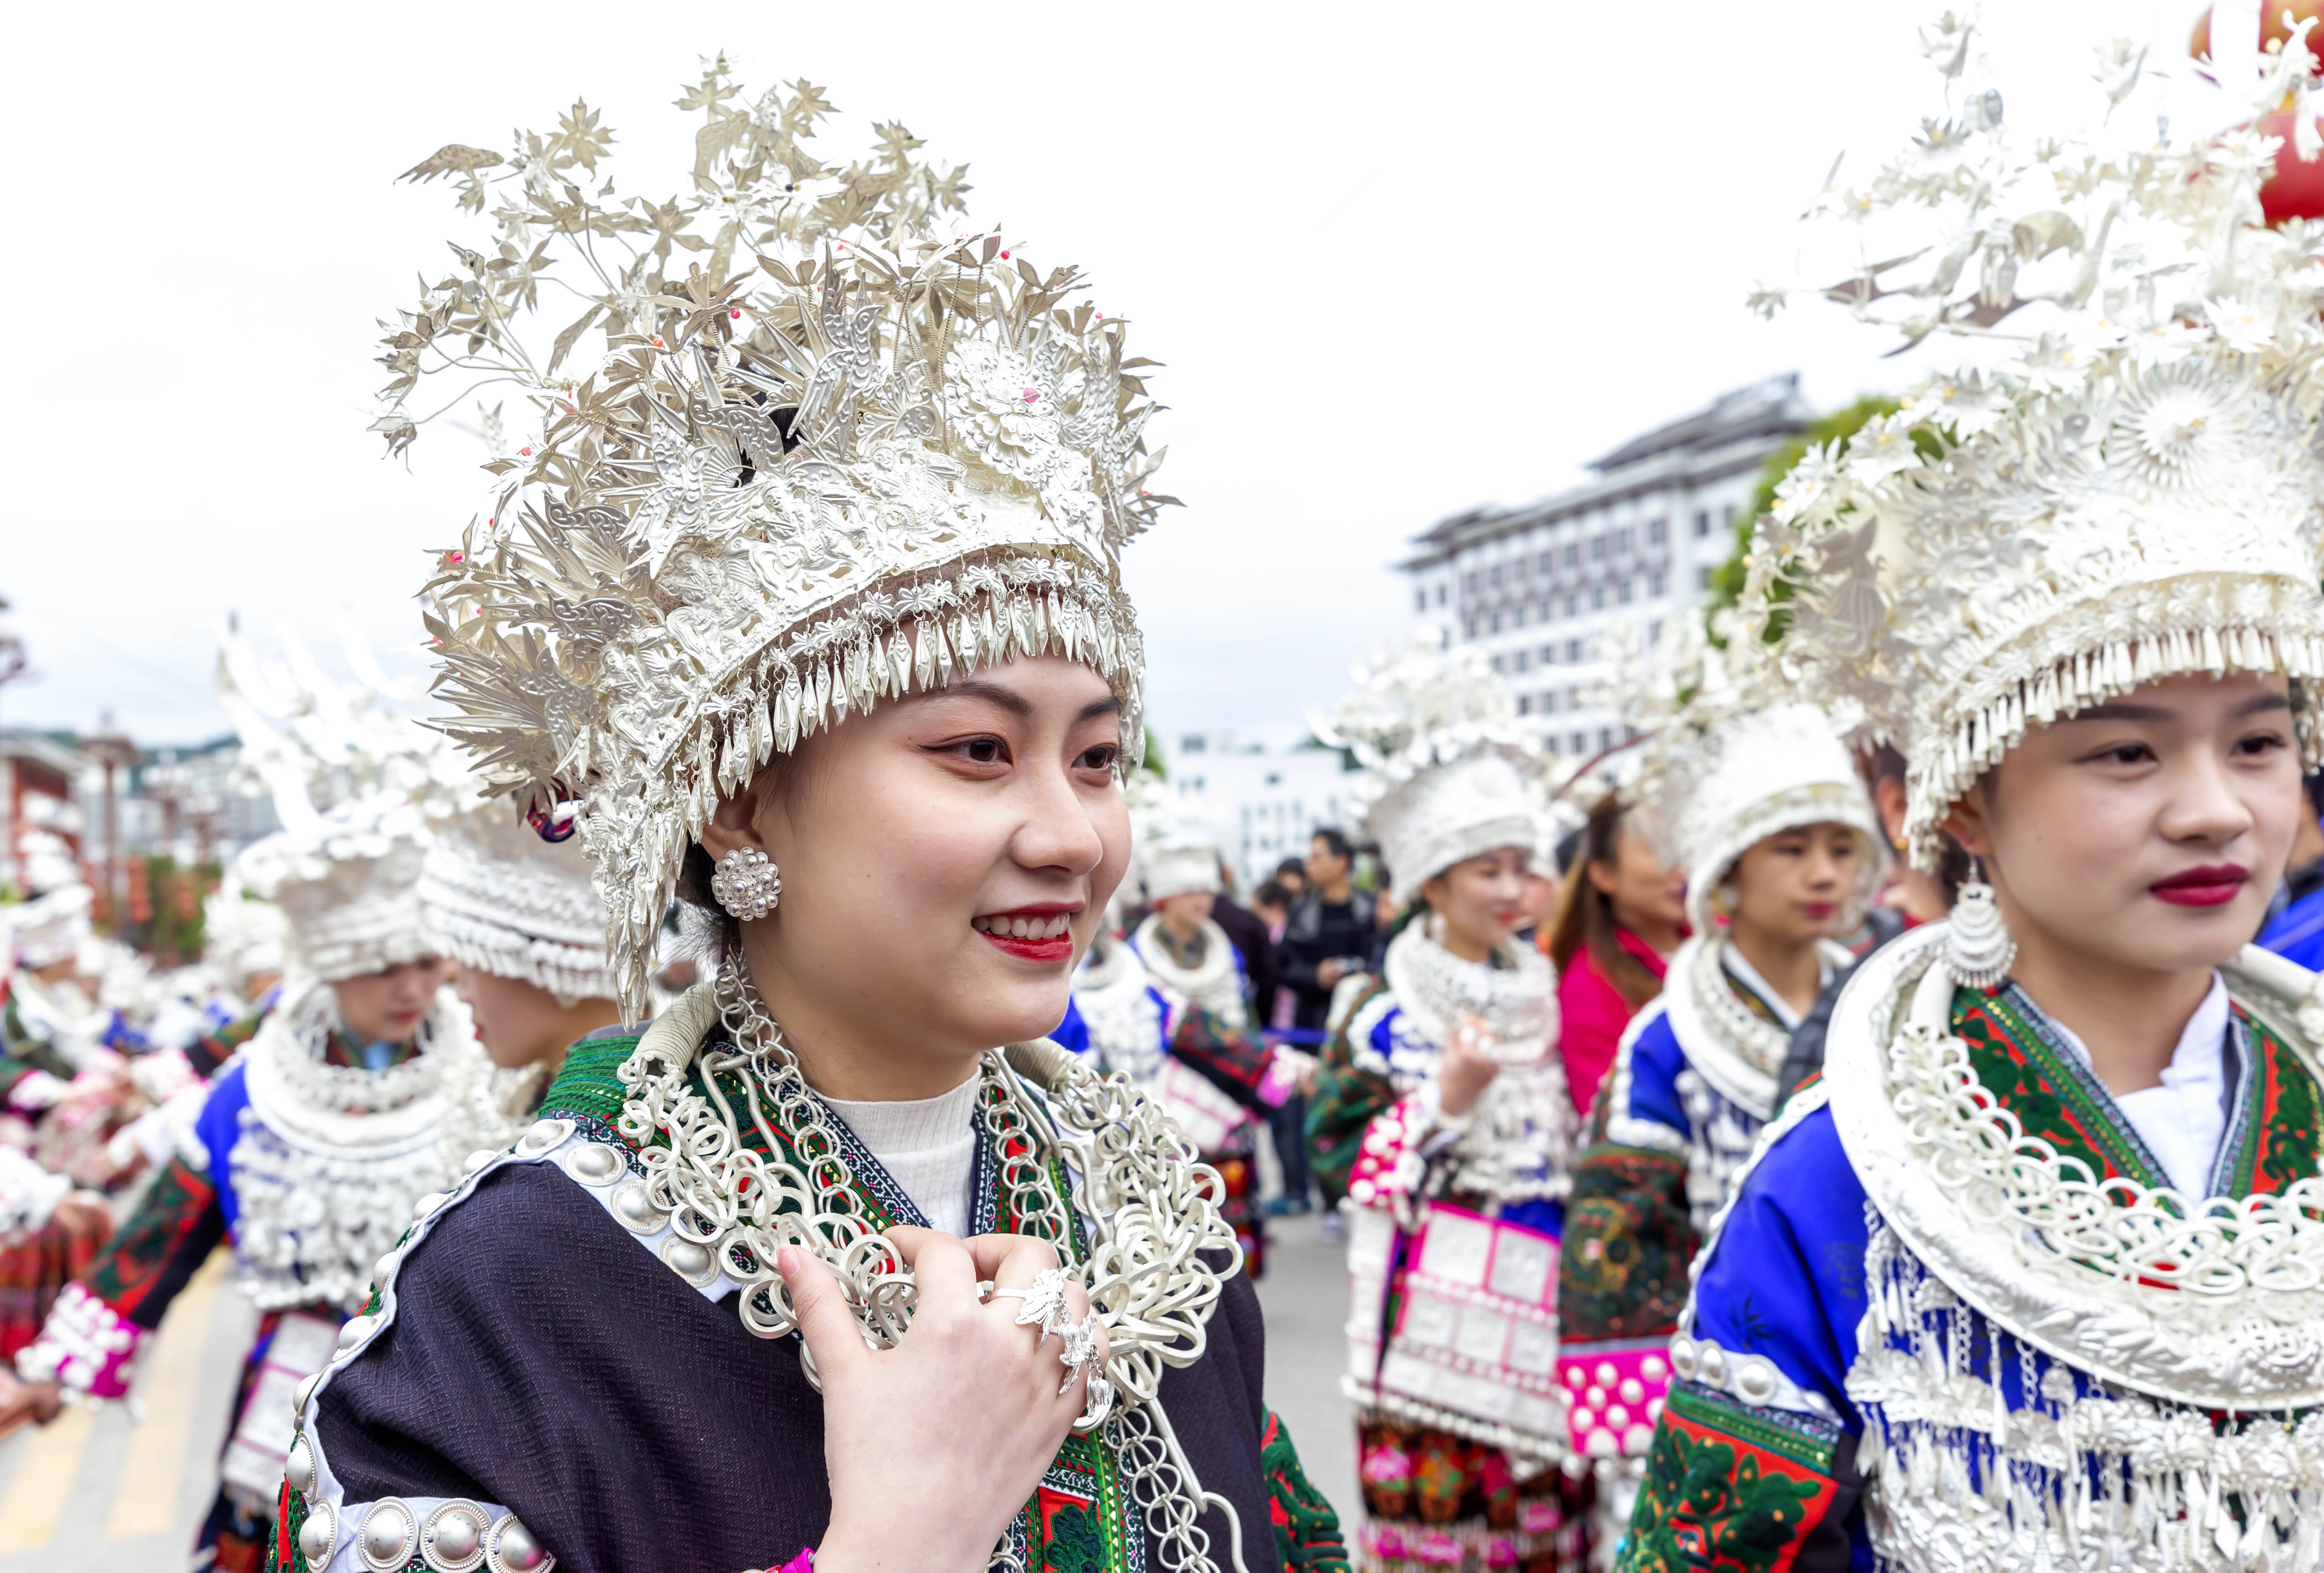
point(361, 791)
point(2134, 490)
point(841, 455)
point(1449, 771)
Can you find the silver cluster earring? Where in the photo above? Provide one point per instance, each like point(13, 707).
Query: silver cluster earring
point(747, 884)
point(1978, 946)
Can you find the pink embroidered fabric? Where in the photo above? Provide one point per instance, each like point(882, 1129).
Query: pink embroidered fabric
point(1613, 1398)
point(85, 1346)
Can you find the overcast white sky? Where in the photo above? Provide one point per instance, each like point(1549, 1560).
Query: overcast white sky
point(1398, 261)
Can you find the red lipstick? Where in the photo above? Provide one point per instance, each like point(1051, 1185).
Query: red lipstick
point(2209, 885)
point(1052, 939)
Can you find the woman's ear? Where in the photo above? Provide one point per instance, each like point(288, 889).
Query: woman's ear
point(1432, 891)
point(734, 823)
point(1969, 822)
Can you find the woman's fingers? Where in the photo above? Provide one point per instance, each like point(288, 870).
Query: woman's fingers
point(826, 1324)
point(940, 1264)
point(1011, 1261)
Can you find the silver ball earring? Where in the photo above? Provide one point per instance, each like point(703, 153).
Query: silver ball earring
point(747, 884)
point(1978, 946)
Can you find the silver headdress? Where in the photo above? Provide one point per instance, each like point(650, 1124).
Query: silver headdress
point(242, 937)
point(358, 789)
point(2136, 491)
point(499, 896)
point(49, 928)
point(843, 455)
point(1449, 770)
point(1733, 758)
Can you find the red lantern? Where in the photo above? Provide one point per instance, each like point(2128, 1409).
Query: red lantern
point(2272, 29)
point(2296, 189)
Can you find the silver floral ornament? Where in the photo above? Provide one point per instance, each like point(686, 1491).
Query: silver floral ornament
point(747, 884)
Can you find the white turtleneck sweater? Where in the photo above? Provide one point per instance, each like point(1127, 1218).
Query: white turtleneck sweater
point(927, 1145)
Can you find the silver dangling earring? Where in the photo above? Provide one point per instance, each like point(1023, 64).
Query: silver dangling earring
point(1978, 946)
point(747, 884)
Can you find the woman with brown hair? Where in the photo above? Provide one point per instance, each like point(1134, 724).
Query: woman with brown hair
point(1620, 915)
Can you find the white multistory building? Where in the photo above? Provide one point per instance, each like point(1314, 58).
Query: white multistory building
point(1536, 587)
point(1263, 806)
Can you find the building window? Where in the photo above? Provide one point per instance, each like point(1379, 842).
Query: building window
point(1622, 539)
point(1596, 547)
point(1497, 663)
point(1420, 600)
point(1549, 655)
point(1622, 593)
point(1549, 702)
point(1518, 615)
point(1702, 522)
point(1581, 742)
point(1572, 554)
point(1440, 595)
point(1469, 628)
point(1572, 602)
point(1572, 651)
point(1493, 623)
point(1702, 578)
point(1525, 705)
point(1493, 575)
point(1605, 737)
point(1657, 529)
point(1541, 563)
point(1726, 514)
point(1597, 598)
point(1541, 609)
point(1519, 660)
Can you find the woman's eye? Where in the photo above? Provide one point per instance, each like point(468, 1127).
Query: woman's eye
point(2265, 742)
point(983, 751)
point(2128, 754)
point(1101, 758)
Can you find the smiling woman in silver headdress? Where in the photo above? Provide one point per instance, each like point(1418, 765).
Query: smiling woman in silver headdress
point(1442, 1111)
point(308, 1149)
point(2029, 1278)
point(807, 597)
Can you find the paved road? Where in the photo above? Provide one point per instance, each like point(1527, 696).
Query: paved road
point(99, 1493)
point(96, 1492)
point(1306, 1297)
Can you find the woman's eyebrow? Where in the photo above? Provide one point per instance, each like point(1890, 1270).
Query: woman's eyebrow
point(1008, 699)
point(2121, 712)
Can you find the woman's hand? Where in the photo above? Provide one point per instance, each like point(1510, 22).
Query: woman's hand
point(1469, 1067)
point(38, 1402)
point(934, 1445)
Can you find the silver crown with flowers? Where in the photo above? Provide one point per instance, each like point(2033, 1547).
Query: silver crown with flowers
point(2132, 490)
point(1450, 773)
point(499, 896)
point(1733, 758)
point(833, 453)
point(359, 789)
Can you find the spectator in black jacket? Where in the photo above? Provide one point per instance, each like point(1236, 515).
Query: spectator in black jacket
point(1329, 936)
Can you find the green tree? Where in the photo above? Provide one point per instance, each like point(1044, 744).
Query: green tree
point(1726, 580)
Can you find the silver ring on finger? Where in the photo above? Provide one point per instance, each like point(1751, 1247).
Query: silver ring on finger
point(1045, 1303)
